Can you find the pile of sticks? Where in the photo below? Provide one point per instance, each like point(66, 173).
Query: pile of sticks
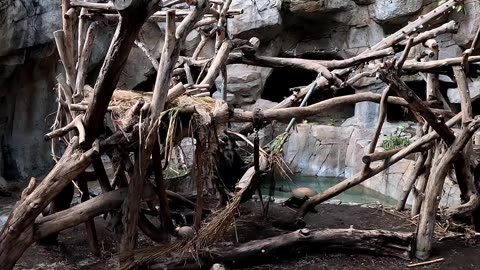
point(149, 128)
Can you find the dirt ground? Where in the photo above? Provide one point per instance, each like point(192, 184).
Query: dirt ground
point(72, 251)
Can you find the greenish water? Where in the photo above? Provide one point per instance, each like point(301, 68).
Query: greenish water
point(355, 195)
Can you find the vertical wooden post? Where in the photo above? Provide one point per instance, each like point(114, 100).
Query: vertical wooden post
point(426, 225)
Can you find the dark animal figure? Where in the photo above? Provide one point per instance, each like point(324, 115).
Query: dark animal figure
point(299, 197)
point(230, 167)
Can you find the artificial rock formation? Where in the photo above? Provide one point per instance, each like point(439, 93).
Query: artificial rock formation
point(146, 129)
point(28, 66)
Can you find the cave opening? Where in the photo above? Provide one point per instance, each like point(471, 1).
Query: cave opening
point(281, 81)
point(397, 113)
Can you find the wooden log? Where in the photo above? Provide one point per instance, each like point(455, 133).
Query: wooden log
point(61, 202)
point(92, 239)
point(462, 168)
point(404, 55)
point(437, 65)
point(433, 85)
point(68, 65)
point(434, 188)
point(17, 233)
point(414, 26)
point(285, 114)
point(83, 62)
point(391, 244)
point(127, 30)
point(381, 118)
point(79, 213)
point(101, 174)
point(170, 53)
point(379, 242)
point(90, 5)
point(225, 84)
point(222, 24)
point(449, 27)
point(169, 56)
point(313, 65)
point(217, 63)
point(68, 20)
point(131, 207)
point(77, 124)
point(147, 53)
point(464, 91)
point(83, 25)
point(417, 104)
point(417, 170)
point(160, 190)
point(201, 164)
point(376, 156)
point(419, 189)
point(467, 185)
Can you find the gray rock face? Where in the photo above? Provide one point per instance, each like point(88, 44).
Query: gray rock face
point(469, 19)
point(138, 65)
point(314, 150)
point(26, 98)
point(28, 66)
point(311, 7)
point(260, 18)
point(326, 151)
point(245, 82)
point(26, 23)
point(473, 86)
point(395, 11)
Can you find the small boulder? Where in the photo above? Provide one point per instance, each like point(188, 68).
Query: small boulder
point(303, 192)
point(4, 188)
point(218, 266)
point(185, 232)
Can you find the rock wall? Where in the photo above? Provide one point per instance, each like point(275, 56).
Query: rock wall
point(28, 66)
point(316, 29)
point(328, 151)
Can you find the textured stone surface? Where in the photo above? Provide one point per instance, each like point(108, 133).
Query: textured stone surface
point(26, 98)
point(26, 23)
point(260, 18)
point(394, 11)
point(468, 20)
point(326, 151)
point(245, 82)
point(473, 86)
point(315, 150)
point(28, 66)
point(312, 7)
point(262, 104)
point(138, 65)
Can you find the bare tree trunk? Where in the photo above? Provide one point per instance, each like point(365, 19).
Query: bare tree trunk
point(17, 233)
point(434, 188)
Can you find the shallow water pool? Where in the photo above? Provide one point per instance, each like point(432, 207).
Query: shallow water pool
point(355, 195)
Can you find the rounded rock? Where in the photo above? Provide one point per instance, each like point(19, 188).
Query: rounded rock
point(303, 192)
point(185, 232)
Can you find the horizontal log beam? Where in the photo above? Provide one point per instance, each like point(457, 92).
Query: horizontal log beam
point(314, 109)
point(375, 156)
point(380, 242)
point(65, 219)
point(314, 65)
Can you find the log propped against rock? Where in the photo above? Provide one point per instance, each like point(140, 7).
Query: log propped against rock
point(147, 129)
